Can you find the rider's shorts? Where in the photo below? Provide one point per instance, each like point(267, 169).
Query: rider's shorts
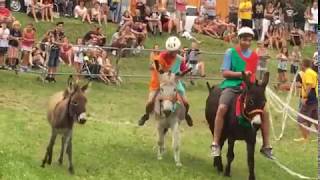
point(228, 94)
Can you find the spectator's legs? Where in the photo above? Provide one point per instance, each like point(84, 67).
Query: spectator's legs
point(43, 12)
point(159, 26)
point(150, 24)
point(50, 9)
point(69, 8)
point(99, 18)
point(265, 27)
point(170, 26)
point(25, 58)
point(201, 68)
point(33, 11)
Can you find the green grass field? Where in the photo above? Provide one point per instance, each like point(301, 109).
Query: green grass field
point(110, 145)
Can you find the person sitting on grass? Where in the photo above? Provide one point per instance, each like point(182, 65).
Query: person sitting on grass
point(82, 12)
point(97, 14)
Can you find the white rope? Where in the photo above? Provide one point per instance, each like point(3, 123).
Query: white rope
point(290, 108)
point(291, 172)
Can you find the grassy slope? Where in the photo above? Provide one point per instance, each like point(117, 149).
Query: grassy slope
point(110, 146)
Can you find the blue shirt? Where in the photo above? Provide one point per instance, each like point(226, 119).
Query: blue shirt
point(227, 58)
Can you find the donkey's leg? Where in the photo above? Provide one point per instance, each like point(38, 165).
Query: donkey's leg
point(230, 157)
point(250, 156)
point(48, 156)
point(176, 143)
point(69, 152)
point(161, 134)
point(63, 143)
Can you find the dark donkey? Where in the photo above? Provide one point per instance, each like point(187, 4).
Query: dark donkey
point(252, 102)
point(65, 108)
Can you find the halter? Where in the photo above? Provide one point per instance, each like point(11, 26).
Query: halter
point(244, 113)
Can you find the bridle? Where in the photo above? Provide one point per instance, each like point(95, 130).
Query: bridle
point(244, 113)
point(173, 99)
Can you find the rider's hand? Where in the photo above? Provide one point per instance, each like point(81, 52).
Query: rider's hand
point(248, 73)
point(161, 71)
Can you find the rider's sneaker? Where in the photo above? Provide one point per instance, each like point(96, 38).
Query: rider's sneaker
point(189, 120)
point(143, 119)
point(215, 150)
point(267, 152)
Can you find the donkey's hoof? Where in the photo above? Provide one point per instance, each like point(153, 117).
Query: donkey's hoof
point(42, 165)
point(179, 164)
point(60, 161)
point(252, 178)
point(71, 170)
point(227, 174)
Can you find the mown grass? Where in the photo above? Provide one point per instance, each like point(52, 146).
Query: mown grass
point(110, 145)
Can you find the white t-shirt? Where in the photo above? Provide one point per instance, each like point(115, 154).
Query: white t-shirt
point(79, 12)
point(103, 1)
point(4, 34)
point(314, 13)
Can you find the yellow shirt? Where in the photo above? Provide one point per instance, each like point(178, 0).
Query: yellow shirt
point(309, 77)
point(247, 14)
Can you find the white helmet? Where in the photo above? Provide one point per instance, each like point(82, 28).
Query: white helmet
point(245, 30)
point(173, 43)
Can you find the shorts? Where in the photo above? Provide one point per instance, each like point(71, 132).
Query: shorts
point(181, 15)
point(54, 57)
point(211, 17)
point(195, 68)
point(258, 23)
point(309, 111)
point(26, 48)
point(289, 26)
point(228, 94)
point(293, 69)
point(307, 26)
point(3, 50)
point(172, 15)
point(282, 70)
point(314, 28)
point(246, 22)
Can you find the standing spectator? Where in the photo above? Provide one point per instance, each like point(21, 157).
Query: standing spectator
point(245, 13)
point(283, 58)
point(171, 16)
point(35, 6)
point(180, 15)
point(314, 21)
point(28, 40)
point(289, 14)
point(268, 17)
point(263, 55)
point(55, 41)
point(210, 9)
point(307, 26)
point(66, 7)
point(115, 9)
point(258, 14)
point(233, 12)
point(315, 63)
point(295, 59)
point(104, 7)
point(14, 43)
point(309, 101)
point(78, 56)
point(81, 11)
point(4, 42)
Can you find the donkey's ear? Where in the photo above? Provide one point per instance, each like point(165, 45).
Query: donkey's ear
point(265, 80)
point(85, 87)
point(70, 84)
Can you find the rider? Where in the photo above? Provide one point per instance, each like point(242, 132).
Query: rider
point(166, 61)
point(232, 86)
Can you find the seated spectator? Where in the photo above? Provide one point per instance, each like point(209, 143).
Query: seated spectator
point(211, 29)
point(126, 39)
point(140, 31)
point(6, 15)
point(66, 52)
point(296, 37)
point(97, 14)
point(94, 37)
point(154, 22)
point(229, 34)
point(198, 25)
point(35, 7)
point(104, 7)
point(14, 44)
point(37, 60)
point(107, 72)
point(167, 22)
point(47, 10)
point(126, 18)
point(81, 11)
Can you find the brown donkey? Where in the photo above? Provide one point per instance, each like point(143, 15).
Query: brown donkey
point(65, 108)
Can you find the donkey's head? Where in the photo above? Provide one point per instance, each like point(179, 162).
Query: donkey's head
point(76, 100)
point(254, 99)
point(168, 92)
